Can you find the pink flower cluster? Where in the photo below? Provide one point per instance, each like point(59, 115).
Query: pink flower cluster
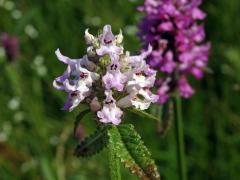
point(172, 28)
point(107, 78)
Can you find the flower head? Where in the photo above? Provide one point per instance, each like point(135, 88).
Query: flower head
point(172, 28)
point(106, 78)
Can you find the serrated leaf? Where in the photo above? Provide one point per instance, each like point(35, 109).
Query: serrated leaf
point(131, 151)
point(94, 143)
point(114, 163)
point(143, 114)
point(79, 117)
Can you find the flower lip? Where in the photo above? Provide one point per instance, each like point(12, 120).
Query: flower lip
point(146, 88)
point(74, 94)
point(114, 67)
point(107, 41)
point(134, 98)
point(141, 73)
point(83, 75)
point(109, 102)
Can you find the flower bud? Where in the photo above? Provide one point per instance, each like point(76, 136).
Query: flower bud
point(89, 37)
point(90, 52)
point(88, 64)
point(119, 38)
point(125, 102)
point(105, 61)
point(95, 105)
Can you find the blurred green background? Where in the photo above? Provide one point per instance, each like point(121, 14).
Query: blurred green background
point(36, 140)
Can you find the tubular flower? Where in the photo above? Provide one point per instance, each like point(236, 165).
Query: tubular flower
point(107, 79)
point(172, 28)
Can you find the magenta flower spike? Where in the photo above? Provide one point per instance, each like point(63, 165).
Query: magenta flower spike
point(172, 28)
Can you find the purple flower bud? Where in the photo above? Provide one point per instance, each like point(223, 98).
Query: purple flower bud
point(11, 46)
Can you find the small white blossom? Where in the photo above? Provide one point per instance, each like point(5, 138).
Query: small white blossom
point(110, 113)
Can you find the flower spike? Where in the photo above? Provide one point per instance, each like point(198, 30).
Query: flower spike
point(177, 39)
point(107, 79)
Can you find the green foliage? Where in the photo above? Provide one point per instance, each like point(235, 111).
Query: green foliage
point(46, 168)
point(129, 147)
point(114, 163)
point(166, 120)
point(94, 143)
point(79, 117)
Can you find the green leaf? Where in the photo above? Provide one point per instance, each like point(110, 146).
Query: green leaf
point(79, 117)
point(93, 143)
point(143, 114)
point(46, 169)
point(114, 163)
point(166, 120)
point(131, 151)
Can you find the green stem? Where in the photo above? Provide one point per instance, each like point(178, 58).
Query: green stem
point(180, 139)
point(114, 164)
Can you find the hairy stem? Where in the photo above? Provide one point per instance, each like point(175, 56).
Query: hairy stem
point(180, 139)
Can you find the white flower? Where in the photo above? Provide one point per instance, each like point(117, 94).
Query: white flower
point(108, 45)
point(139, 98)
point(77, 92)
point(114, 78)
point(142, 77)
point(58, 82)
point(110, 113)
point(83, 75)
point(76, 80)
point(137, 61)
point(76, 71)
point(65, 59)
